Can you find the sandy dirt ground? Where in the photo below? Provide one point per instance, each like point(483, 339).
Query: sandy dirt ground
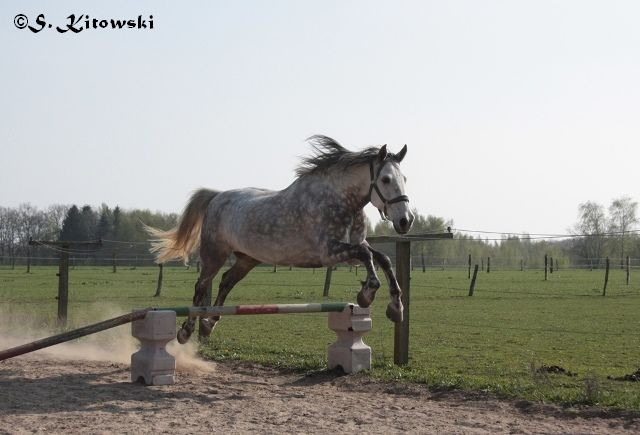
point(49, 392)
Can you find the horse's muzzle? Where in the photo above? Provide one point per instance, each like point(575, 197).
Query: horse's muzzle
point(403, 225)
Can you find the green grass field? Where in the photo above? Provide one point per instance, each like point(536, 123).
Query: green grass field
point(494, 341)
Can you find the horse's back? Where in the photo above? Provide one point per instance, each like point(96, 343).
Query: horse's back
point(236, 207)
point(244, 211)
point(271, 226)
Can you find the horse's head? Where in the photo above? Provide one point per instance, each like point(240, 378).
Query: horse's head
point(387, 191)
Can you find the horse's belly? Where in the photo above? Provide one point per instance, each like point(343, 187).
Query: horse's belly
point(285, 256)
point(259, 225)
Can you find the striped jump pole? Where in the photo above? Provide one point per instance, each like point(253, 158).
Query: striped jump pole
point(239, 310)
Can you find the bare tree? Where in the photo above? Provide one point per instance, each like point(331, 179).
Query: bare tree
point(622, 218)
point(9, 223)
point(592, 226)
point(31, 224)
point(55, 217)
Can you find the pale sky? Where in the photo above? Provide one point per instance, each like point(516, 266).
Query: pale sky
point(514, 112)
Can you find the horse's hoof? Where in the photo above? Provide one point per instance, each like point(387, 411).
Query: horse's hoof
point(364, 301)
point(394, 313)
point(183, 335)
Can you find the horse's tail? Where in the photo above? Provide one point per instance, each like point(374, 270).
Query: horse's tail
point(182, 240)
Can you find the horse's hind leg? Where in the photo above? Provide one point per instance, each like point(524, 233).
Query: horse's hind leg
point(211, 264)
point(230, 278)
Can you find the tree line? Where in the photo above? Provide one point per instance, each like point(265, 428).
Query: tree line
point(121, 231)
point(599, 232)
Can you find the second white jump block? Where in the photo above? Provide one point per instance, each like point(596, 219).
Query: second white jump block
point(152, 362)
point(349, 351)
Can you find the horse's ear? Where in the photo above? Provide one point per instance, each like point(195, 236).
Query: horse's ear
point(401, 154)
point(382, 154)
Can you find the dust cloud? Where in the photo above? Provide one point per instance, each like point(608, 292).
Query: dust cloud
point(113, 345)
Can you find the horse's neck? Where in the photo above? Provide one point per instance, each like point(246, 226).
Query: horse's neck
point(349, 188)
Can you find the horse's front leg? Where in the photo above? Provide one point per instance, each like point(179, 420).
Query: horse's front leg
point(340, 252)
point(395, 308)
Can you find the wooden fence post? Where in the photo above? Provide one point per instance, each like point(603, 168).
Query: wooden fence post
point(63, 285)
point(28, 259)
point(159, 287)
point(606, 276)
point(546, 266)
point(275, 268)
point(628, 267)
point(469, 264)
point(472, 287)
point(488, 264)
point(113, 261)
point(401, 331)
point(521, 265)
point(327, 281)
point(63, 272)
point(403, 274)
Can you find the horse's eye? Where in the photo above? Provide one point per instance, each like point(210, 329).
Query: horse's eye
point(386, 179)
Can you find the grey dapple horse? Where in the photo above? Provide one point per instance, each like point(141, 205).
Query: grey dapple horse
point(317, 221)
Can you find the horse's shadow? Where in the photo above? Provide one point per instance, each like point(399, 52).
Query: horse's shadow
point(316, 377)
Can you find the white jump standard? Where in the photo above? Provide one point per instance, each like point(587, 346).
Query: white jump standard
point(349, 351)
point(152, 363)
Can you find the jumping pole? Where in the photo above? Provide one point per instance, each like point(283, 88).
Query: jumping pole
point(239, 310)
point(180, 311)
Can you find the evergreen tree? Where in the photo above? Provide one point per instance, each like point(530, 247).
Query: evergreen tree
point(72, 225)
point(105, 223)
point(117, 218)
point(88, 223)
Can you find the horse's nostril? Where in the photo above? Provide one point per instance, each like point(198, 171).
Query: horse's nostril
point(404, 222)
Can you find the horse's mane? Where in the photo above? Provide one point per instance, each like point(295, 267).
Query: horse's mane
point(330, 154)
